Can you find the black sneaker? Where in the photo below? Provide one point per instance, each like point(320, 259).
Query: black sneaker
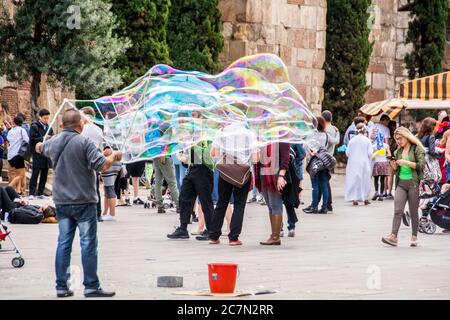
point(161, 210)
point(330, 208)
point(138, 201)
point(64, 293)
point(310, 210)
point(100, 293)
point(204, 236)
point(323, 211)
point(179, 233)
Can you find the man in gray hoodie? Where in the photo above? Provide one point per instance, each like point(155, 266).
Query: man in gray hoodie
point(75, 160)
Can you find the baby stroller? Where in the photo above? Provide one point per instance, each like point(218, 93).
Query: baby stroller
point(432, 204)
point(16, 262)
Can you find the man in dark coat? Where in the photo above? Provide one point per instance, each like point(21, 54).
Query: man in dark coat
point(41, 164)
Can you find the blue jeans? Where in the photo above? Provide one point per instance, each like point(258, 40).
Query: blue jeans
point(180, 173)
point(320, 185)
point(448, 173)
point(69, 218)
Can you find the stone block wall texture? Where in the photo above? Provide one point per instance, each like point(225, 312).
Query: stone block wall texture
point(387, 68)
point(293, 29)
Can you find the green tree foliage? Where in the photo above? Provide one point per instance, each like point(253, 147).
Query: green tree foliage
point(144, 22)
point(347, 58)
point(69, 41)
point(194, 35)
point(427, 33)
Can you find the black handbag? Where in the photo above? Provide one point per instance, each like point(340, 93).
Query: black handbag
point(323, 160)
point(25, 149)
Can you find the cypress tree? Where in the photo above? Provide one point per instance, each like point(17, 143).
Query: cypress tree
point(144, 23)
point(347, 58)
point(69, 41)
point(194, 35)
point(427, 33)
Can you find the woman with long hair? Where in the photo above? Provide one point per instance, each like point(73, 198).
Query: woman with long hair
point(319, 182)
point(427, 137)
point(408, 164)
point(270, 180)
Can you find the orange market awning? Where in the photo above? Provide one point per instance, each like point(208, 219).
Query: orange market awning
point(391, 107)
point(431, 88)
point(428, 93)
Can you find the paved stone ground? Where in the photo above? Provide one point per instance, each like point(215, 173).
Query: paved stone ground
point(337, 256)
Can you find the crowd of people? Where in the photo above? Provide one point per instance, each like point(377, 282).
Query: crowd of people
point(213, 182)
point(396, 157)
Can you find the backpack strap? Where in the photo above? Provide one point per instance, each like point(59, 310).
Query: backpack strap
point(62, 150)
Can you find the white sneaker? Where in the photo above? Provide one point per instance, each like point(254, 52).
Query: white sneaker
point(108, 218)
point(30, 198)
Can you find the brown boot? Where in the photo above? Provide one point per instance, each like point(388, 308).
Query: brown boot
point(274, 239)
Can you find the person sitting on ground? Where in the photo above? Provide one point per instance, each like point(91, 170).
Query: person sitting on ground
point(8, 199)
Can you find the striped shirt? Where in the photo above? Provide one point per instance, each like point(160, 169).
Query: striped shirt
point(109, 176)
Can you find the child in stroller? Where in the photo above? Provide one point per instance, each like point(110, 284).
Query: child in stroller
point(434, 203)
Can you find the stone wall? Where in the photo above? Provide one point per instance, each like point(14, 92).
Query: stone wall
point(387, 67)
point(17, 95)
point(293, 29)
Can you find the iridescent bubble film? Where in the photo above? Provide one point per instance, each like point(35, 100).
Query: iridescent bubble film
point(168, 110)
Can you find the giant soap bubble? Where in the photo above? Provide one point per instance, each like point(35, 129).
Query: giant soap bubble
point(168, 110)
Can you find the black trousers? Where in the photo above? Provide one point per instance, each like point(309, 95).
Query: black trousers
point(42, 174)
point(292, 217)
point(240, 199)
point(197, 182)
point(7, 196)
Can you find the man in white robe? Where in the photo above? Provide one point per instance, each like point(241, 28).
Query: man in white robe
point(358, 171)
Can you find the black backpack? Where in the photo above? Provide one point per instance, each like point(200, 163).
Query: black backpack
point(25, 215)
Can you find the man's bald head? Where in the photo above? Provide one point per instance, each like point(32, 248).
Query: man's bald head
point(72, 120)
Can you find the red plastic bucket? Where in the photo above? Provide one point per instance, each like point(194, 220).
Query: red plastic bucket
point(222, 277)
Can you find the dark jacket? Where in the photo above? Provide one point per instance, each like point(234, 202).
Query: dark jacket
point(37, 133)
point(429, 141)
point(292, 189)
point(283, 163)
